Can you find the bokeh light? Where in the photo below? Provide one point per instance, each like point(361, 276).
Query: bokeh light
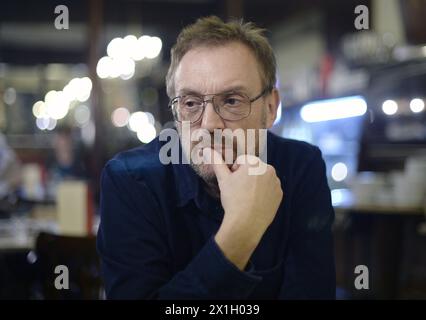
point(120, 117)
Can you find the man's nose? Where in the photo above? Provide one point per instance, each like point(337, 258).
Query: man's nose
point(211, 120)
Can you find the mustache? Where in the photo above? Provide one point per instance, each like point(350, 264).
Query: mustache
point(226, 138)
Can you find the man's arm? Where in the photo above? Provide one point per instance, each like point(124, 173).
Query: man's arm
point(136, 260)
point(250, 203)
point(310, 266)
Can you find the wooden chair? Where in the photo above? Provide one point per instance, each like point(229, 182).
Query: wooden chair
point(79, 255)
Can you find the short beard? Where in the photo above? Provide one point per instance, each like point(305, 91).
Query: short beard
point(209, 176)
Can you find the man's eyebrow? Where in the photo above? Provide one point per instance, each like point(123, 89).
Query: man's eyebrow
point(239, 88)
point(190, 91)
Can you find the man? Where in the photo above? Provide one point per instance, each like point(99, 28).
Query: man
point(10, 169)
point(212, 230)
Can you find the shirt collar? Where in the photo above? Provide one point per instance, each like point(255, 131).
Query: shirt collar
point(187, 183)
point(186, 180)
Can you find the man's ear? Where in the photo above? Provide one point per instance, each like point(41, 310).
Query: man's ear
point(272, 103)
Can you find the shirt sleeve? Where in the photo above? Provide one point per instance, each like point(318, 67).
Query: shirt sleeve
point(136, 260)
point(310, 266)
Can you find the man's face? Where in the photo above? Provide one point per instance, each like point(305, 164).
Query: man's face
point(210, 70)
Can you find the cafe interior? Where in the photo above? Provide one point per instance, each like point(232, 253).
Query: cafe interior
point(83, 80)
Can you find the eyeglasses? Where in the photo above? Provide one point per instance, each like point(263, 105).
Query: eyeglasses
point(230, 106)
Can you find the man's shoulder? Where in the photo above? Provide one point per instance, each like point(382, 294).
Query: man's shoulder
point(295, 160)
point(292, 149)
point(140, 162)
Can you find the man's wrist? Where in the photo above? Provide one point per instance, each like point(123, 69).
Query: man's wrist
point(237, 246)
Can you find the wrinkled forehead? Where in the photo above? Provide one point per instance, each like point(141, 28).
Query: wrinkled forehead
point(208, 69)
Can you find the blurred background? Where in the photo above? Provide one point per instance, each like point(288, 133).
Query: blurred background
point(71, 98)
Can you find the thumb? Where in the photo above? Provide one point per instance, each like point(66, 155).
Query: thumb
point(220, 168)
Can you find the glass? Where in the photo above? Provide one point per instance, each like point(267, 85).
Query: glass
point(230, 106)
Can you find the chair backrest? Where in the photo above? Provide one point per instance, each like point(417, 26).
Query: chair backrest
point(80, 257)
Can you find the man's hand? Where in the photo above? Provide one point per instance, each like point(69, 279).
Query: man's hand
point(250, 203)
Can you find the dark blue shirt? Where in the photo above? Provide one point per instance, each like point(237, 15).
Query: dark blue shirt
point(156, 236)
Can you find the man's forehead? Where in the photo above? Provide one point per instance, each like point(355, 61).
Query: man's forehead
point(217, 69)
point(198, 88)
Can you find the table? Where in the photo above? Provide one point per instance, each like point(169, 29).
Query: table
point(20, 233)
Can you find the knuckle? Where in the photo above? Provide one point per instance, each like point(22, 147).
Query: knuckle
point(270, 169)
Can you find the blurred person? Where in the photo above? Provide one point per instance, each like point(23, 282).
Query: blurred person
point(67, 160)
point(10, 169)
point(212, 230)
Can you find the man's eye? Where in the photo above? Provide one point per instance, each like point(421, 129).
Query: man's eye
point(233, 101)
point(192, 103)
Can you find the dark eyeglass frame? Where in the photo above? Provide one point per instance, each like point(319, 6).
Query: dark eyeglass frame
point(205, 101)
